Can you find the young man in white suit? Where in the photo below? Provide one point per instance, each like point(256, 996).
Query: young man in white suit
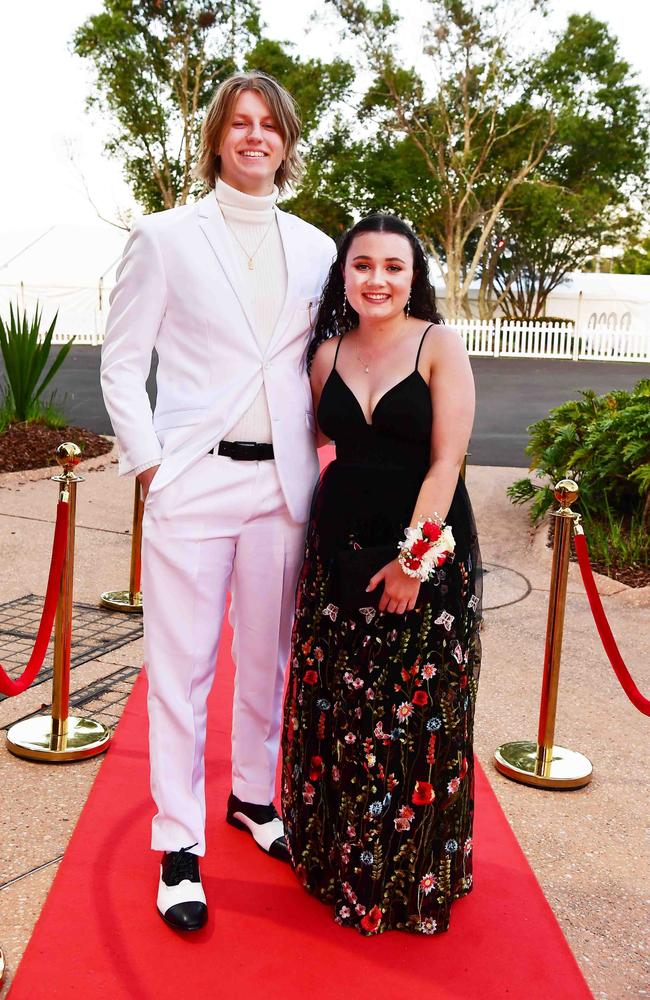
point(224, 290)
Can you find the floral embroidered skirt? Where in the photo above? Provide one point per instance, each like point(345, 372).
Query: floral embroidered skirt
point(378, 769)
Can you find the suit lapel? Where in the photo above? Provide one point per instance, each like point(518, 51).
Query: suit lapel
point(295, 263)
point(213, 224)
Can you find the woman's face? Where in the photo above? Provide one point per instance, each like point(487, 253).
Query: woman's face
point(251, 146)
point(378, 274)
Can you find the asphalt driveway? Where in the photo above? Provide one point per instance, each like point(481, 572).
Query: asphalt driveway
point(511, 394)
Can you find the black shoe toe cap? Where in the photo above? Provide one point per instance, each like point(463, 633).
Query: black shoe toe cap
point(186, 916)
point(279, 850)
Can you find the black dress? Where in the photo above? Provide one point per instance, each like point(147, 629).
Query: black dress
point(377, 780)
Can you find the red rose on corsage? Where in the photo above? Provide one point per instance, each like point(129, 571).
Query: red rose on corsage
point(431, 530)
point(423, 794)
point(372, 920)
point(420, 698)
point(425, 547)
point(310, 677)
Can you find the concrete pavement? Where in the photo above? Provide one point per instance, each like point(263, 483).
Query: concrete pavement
point(586, 847)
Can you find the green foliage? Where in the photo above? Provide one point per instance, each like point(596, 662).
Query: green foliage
point(25, 352)
point(157, 66)
point(618, 541)
point(6, 411)
point(459, 114)
point(635, 259)
point(49, 412)
point(603, 442)
point(315, 85)
point(577, 198)
point(511, 168)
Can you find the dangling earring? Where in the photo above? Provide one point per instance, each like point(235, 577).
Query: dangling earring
point(345, 302)
point(407, 307)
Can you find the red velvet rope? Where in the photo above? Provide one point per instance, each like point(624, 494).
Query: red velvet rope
point(7, 685)
point(604, 631)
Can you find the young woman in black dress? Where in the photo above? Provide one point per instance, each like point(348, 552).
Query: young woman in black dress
point(378, 768)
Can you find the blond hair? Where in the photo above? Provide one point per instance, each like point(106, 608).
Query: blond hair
point(283, 108)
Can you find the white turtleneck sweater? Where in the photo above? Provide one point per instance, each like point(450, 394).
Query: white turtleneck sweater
point(248, 218)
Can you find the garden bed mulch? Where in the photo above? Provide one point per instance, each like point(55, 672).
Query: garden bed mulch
point(32, 445)
point(632, 576)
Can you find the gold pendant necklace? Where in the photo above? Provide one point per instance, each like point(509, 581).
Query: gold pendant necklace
point(363, 364)
point(250, 256)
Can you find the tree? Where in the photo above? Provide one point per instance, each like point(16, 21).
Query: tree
point(157, 66)
point(578, 197)
point(636, 257)
point(476, 138)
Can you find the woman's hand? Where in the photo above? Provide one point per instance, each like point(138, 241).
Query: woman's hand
point(400, 591)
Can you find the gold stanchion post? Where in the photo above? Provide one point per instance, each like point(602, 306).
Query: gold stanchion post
point(543, 764)
point(130, 600)
point(61, 737)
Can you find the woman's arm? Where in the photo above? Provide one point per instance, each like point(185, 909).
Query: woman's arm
point(452, 395)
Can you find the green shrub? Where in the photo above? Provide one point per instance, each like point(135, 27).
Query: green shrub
point(25, 357)
point(603, 442)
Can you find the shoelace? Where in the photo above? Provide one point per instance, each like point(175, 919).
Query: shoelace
point(181, 867)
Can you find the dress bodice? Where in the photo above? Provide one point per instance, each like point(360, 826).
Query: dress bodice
point(399, 433)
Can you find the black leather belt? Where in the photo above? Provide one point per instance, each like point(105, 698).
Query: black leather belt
point(244, 451)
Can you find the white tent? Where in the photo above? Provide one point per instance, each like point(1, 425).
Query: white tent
point(615, 302)
point(69, 268)
point(603, 301)
point(72, 268)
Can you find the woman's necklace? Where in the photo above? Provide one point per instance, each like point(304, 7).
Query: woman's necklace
point(250, 257)
point(364, 364)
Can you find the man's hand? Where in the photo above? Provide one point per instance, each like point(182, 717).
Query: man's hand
point(400, 591)
point(145, 478)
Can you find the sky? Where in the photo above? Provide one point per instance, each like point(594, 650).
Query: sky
point(53, 168)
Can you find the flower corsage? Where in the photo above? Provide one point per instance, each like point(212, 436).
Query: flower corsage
point(426, 547)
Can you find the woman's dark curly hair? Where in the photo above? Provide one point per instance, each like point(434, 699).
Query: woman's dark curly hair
point(336, 316)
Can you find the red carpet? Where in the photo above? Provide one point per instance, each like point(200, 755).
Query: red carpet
point(99, 933)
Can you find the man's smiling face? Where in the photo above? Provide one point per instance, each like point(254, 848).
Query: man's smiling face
point(251, 146)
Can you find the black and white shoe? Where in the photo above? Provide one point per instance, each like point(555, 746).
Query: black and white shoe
point(181, 899)
point(262, 822)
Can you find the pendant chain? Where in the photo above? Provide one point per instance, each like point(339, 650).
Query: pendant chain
point(363, 363)
point(250, 257)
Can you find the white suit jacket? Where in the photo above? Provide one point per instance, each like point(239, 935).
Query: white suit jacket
point(178, 291)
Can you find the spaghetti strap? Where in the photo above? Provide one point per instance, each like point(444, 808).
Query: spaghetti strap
point(417, 359)
point(337, 352)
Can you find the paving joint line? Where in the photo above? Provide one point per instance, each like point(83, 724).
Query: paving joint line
point(84, 527)
point(32, 871)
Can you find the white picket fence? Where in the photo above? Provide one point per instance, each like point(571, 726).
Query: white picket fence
point(83, 311)
point(504, 338)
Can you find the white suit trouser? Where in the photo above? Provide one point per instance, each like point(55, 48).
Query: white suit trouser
point(223, 524)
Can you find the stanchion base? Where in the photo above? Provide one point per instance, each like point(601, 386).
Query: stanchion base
point(33, 739)
point(566, 769)
point(121, 600)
